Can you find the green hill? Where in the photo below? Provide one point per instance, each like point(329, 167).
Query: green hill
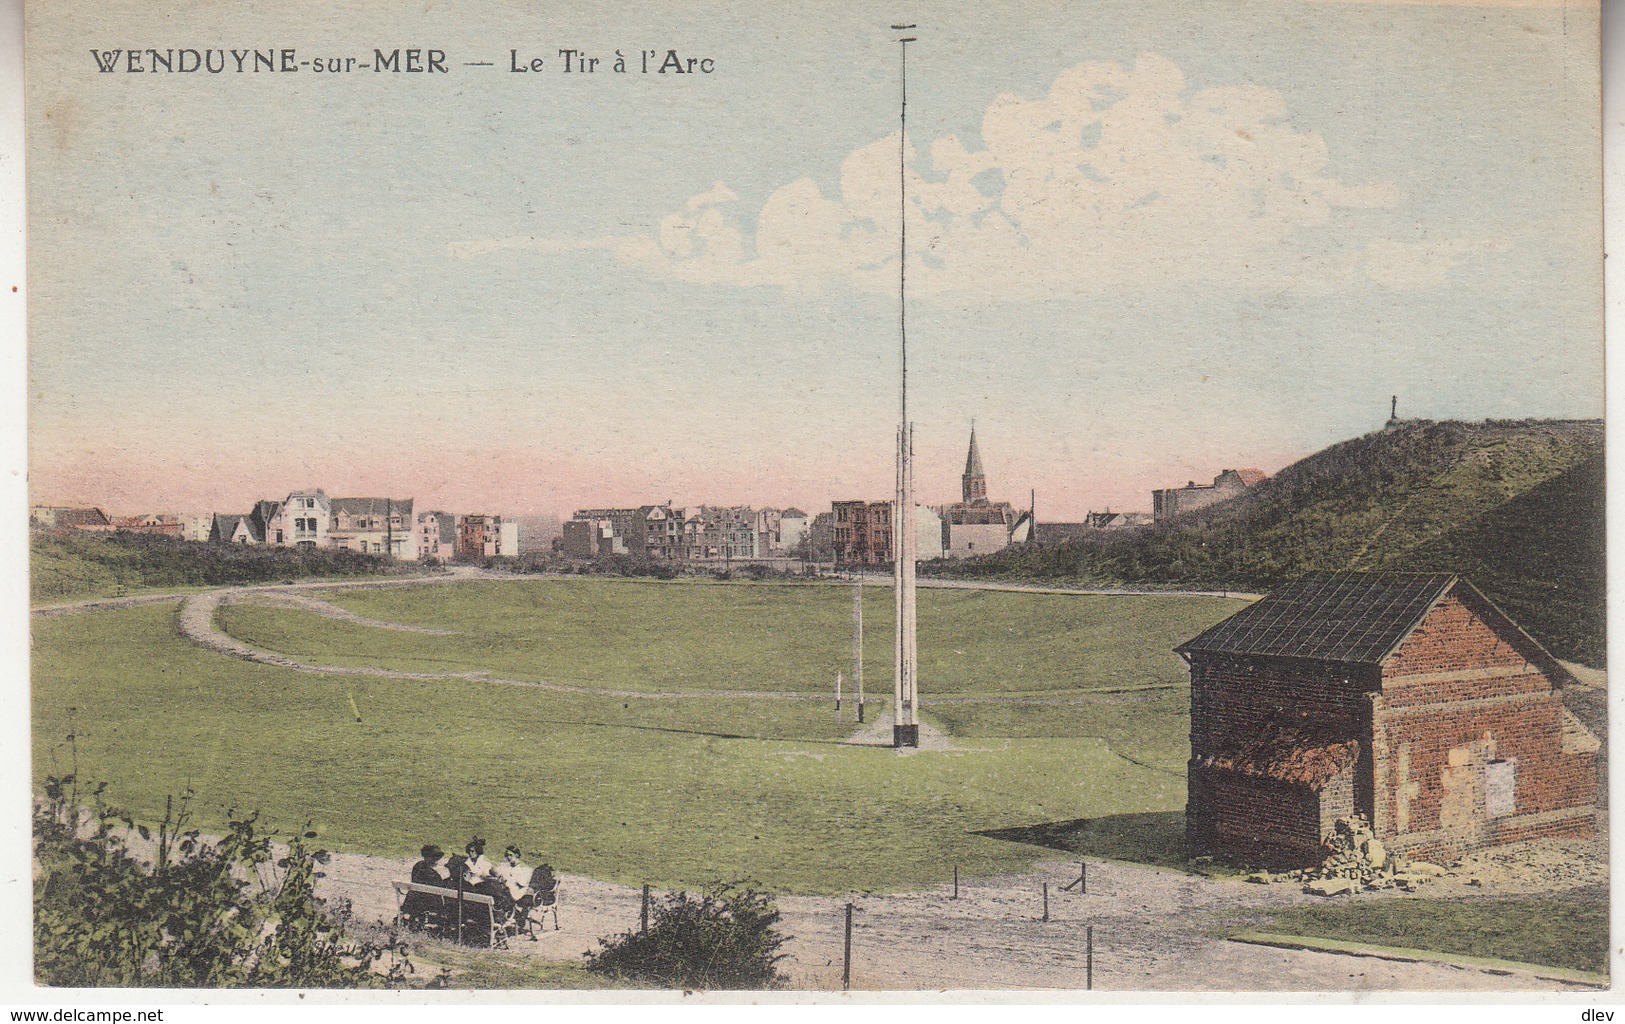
point(1517, 507)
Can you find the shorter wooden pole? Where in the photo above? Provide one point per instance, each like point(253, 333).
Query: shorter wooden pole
point(846, 958)
point(956, 881)
point(643, 921)
point(1089, 957)
point(1046, 901)
point(1083, 878)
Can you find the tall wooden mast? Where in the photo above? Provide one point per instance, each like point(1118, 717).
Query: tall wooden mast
point(905, 728)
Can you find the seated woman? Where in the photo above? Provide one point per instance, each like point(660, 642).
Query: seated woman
point(420, 911)
point(515, 877)
point(479, 876)
point(431, 870)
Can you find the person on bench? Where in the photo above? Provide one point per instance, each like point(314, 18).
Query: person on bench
point(431, 870)
point(420, 910)
point(515, 877)
point(480, 876)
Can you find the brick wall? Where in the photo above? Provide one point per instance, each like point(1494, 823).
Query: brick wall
point(1453, 638)
point(1251, 820)
point(1458, 694)
point(1259, 820)
point(1422, 752)
point(1237, 696)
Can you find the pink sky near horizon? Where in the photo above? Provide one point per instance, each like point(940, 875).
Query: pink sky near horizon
point(522, 483)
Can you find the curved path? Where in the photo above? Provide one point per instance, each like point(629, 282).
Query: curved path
point(197, 623)
point(328, 610)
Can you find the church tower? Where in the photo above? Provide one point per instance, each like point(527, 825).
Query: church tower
point(973, 484)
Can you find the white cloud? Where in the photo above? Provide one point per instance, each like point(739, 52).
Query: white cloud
point(1120, 180)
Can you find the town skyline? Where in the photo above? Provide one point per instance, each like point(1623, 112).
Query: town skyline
point(241, 492)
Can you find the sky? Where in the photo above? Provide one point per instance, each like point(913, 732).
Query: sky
point(1146, 242)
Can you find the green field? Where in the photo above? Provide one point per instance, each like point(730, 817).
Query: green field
point(672, 789)
point(1568, 930)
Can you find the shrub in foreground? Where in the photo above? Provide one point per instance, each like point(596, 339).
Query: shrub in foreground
point(197, 913)
point(723, 938)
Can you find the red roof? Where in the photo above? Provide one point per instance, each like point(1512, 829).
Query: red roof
point(1251, 477)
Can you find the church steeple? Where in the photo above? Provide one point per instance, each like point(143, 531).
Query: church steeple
point(973, 484)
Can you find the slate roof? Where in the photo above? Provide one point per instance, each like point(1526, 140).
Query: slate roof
point(82, 517)
point(1057, 533)
point(1346, 617)
point(372, 506)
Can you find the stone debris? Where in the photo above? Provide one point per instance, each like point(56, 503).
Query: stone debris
point(1353, 852)
point(1357, 861)
point(1329, 886)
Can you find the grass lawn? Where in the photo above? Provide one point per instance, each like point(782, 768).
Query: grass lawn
point(683, 636)
point(1568, 930)
point(670, 792)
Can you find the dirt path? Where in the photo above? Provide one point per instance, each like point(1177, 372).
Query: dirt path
point(1153, 931)
point(196, 623)
point(329, 610)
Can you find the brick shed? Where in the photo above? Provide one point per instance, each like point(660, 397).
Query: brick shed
point(1408, 698)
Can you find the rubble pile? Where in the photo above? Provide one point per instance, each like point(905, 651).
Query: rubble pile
point(1356, 860)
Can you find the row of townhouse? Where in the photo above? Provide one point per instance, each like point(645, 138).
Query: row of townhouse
point(377, 526)
point(93, 520)
point(708, 533)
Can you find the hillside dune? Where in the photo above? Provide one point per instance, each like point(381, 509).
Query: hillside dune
point(1515, 506)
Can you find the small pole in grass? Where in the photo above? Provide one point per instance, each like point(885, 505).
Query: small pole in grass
point(837, 696)
point(1046, 901)
point(1089, 957)
point(643, 919)
point(846, 958)
point(956, 881)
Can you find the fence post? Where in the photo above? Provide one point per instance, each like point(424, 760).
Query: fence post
point(1089, 957)
point(643, 920)
point(956, 881)
point(1083, 878)
point(1046, 901)
point(846, 958)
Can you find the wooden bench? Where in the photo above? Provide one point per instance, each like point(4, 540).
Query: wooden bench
point(450, 906)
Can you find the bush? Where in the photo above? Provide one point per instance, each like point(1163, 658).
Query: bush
point(73, 564)
point(722, 938)
point(199, 913)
